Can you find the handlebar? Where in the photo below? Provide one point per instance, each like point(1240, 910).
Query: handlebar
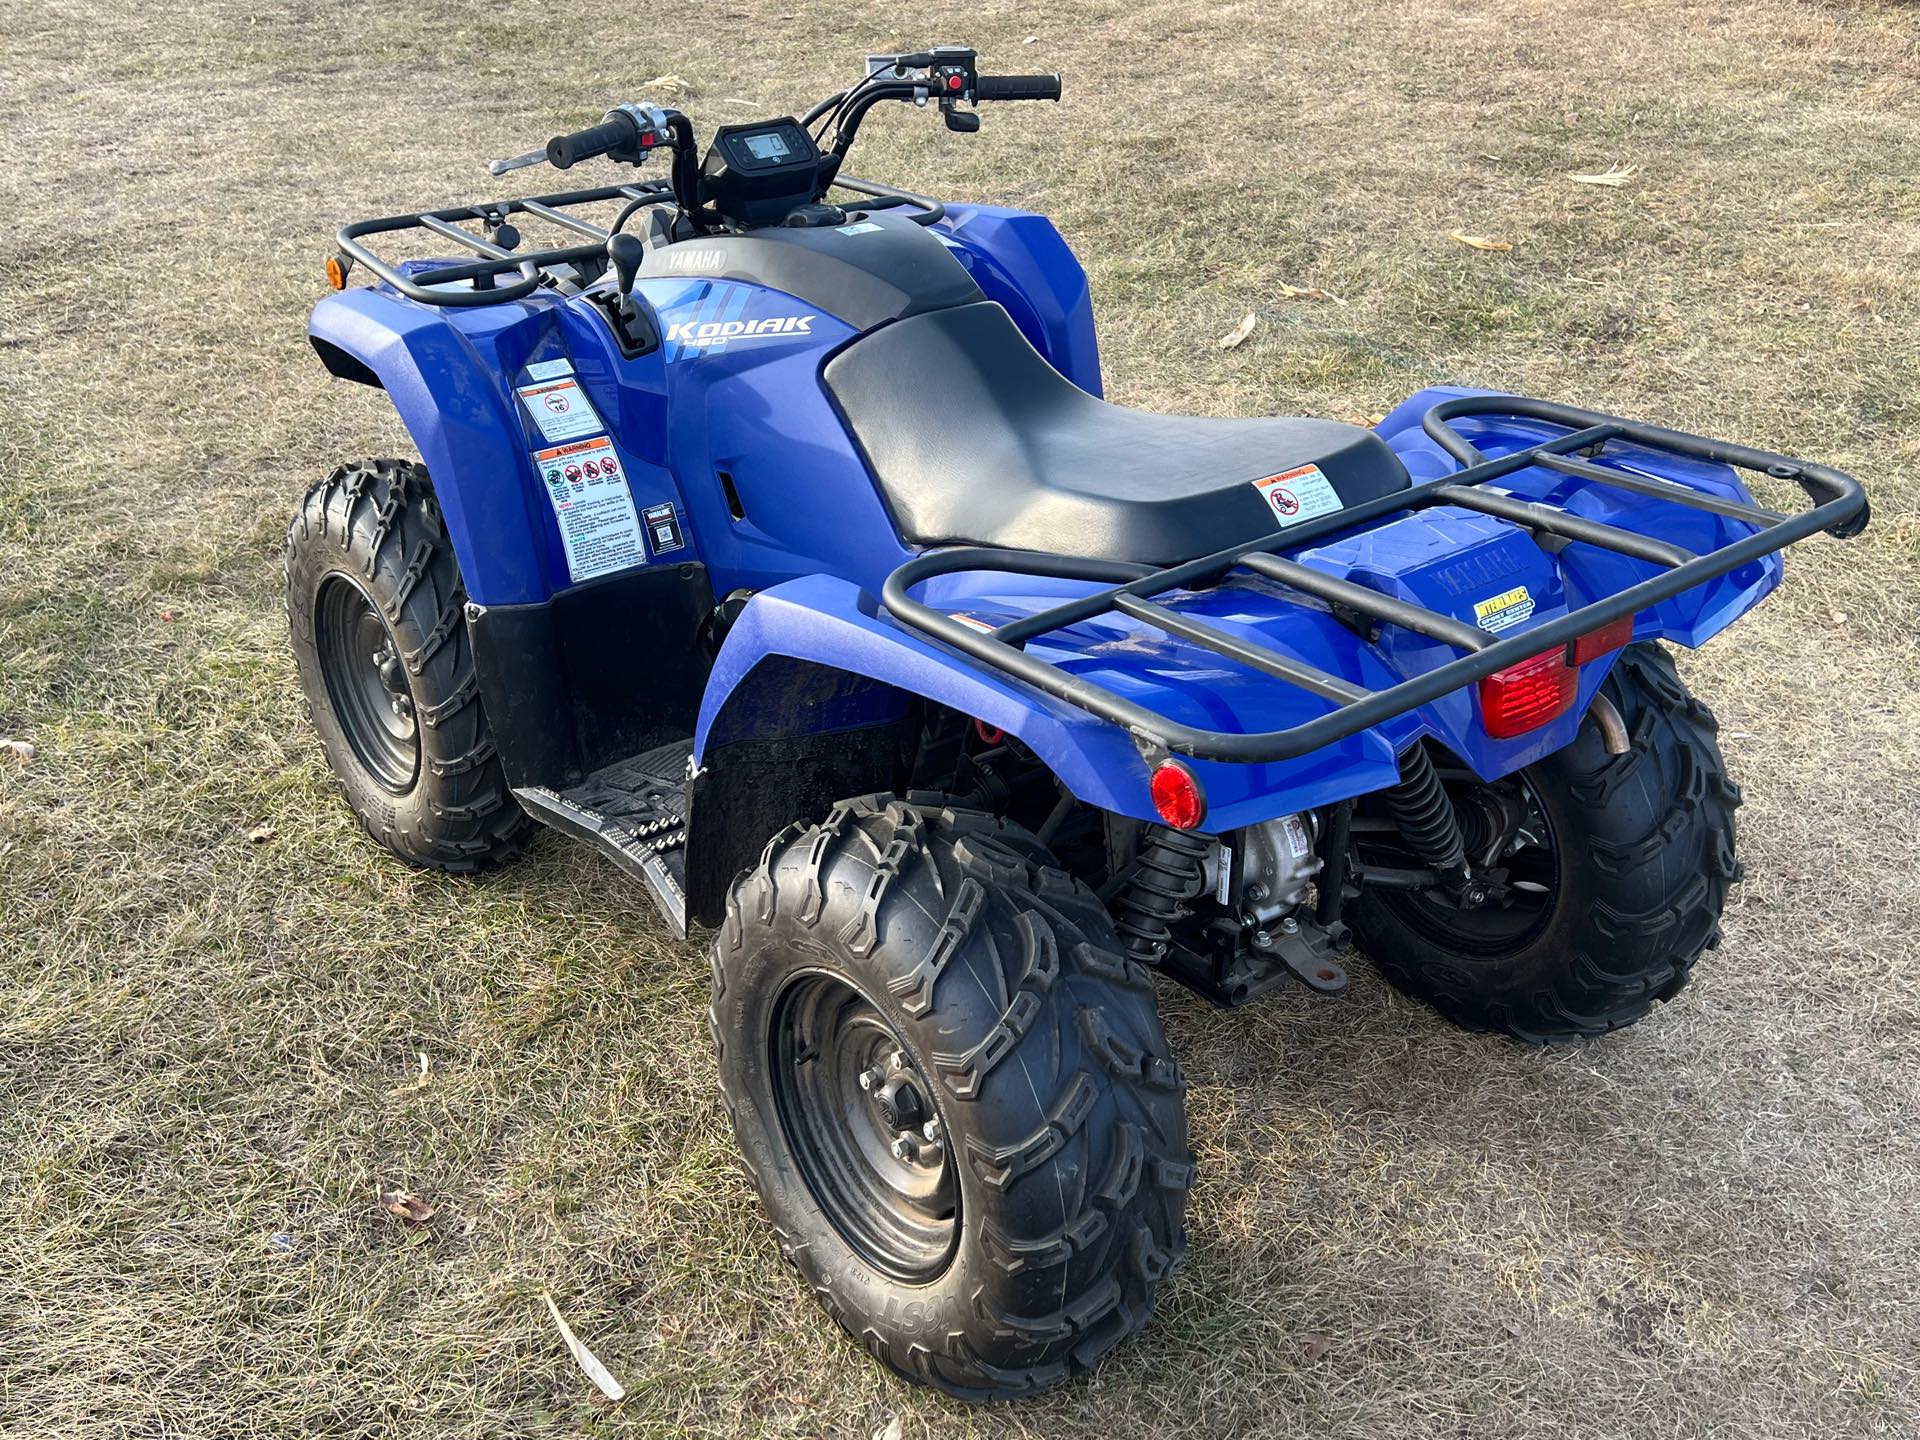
point(1017, 87)
point(565, 151)
point(626, 132)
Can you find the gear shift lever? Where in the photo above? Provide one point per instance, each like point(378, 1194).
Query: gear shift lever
point(625, 252)
point(631, 322)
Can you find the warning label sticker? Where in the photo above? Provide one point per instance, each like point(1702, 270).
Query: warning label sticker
point(1298, 494)
point(561, 409)
point(549, 369)
point(591, 501)
point(1497, 612)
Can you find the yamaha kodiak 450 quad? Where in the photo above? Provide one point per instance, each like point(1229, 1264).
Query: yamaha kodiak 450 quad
point(770, 535)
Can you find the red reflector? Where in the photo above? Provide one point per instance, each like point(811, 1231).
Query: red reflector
point(1177, 795)
point(1526, 696)
point(1604, 641)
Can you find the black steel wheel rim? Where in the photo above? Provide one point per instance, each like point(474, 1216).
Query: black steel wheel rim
point(899, 1213)
point(1530, 856)
point(367, 683)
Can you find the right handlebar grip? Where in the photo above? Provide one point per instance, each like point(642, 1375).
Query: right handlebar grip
point(1017, 87)
point(563, 151)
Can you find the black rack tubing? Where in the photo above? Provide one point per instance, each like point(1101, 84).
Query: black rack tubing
point(1549, 521)
point(500, 261)
point(1841, 510)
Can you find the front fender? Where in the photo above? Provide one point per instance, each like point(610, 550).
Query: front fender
point(462, 422)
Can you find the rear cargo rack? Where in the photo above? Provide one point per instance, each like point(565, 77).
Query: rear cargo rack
point(1840, 509)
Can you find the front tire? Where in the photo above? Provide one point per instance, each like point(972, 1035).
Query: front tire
point(1640, 859)
point(912, 974)
point(377, 611)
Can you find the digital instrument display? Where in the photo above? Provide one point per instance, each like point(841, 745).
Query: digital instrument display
point(768, 146)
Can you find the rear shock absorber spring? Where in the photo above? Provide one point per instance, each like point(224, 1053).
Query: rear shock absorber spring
point(1169, 873)
point(1426, 818)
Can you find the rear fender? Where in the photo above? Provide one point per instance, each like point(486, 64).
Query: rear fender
point(1588, 572)
point(831, 624)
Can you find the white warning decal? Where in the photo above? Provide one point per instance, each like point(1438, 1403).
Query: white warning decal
point(549, 369)
point(561, 409)
point(1298, 494)
point(591, 501)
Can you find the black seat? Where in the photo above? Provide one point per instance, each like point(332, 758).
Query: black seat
point(975, 439)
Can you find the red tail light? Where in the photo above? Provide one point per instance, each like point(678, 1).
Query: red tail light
point(1609, 637)
point(1526, 696)
point(1177, 795)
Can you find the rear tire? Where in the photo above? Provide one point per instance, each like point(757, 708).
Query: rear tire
point(1030, 1239)
point(377, 611)
point(1644, 854)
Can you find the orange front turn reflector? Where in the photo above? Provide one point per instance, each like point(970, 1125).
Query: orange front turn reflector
point(336, 272)
point(1526, 696)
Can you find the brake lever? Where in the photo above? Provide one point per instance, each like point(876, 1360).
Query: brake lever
point(517, 162)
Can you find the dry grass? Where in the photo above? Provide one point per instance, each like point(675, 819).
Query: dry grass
point(1703, 1225)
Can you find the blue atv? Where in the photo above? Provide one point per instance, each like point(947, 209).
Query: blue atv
point(771, 536)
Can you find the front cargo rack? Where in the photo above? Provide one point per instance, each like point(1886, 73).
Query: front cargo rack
point(1840, 508)
point(497, 260)
point(429, 287)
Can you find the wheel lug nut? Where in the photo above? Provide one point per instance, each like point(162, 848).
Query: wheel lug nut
point(931, 1130)
point(871, 1078)
point(903, 1149)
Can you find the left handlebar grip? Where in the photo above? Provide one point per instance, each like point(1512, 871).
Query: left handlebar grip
point(563, 151)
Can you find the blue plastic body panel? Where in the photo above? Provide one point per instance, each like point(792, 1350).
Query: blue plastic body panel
point(736, 390)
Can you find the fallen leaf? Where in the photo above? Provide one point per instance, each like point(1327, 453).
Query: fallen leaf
point(1615, 177)
point(17, 750)
point(260, 834)
point(1240, 332)
point(1315, 1348)
point(1307, 292)
point(585, 1358)
point(666, 85)
point(407, 1205)
point(1030, 39)
point(892, 1430)
point(168, 616)
point(1368, 418)
point(1479, 242)
point(1839, 617)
